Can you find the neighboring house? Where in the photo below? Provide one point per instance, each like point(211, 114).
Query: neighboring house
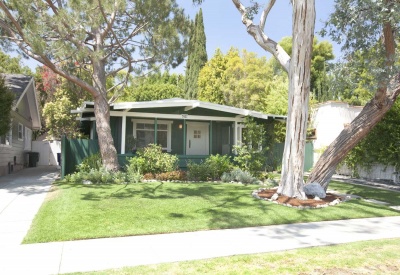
point(328, 120)
point(25, 119)
point(191, 129)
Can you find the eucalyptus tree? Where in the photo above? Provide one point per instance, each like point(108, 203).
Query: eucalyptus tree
point(101, 38)
point(364, 25)
point(298, 67)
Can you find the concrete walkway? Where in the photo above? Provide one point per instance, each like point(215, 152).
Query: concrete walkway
point(22, 194)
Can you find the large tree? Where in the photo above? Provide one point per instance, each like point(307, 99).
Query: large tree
point(101, 37)
point(197, 56)
point(298, 67)
point(365, 25)
point(155, 86)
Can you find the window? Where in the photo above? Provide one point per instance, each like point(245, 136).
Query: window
point(20, 131)
point(28, 139)
point(197, 134)
point(143, 130)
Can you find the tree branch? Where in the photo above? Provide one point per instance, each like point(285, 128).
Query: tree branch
point(261, 38)
point(265, 13)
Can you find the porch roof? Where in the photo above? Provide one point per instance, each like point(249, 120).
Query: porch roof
point(178, 106)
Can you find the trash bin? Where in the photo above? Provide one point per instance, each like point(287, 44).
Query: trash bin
point(33, 159)
point(59, 158)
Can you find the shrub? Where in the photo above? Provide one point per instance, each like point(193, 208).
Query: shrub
point(89, 163)
point(198, 171)
point(174, 175)
point(237, 175)
point(217, 165)
point(151, 159)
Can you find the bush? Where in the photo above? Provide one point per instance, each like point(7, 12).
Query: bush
point(217, 165)
point(198, 171)
point(91, 162)
point(151, 159)
point(237, 175)
point(174, 175)
point(95, 176)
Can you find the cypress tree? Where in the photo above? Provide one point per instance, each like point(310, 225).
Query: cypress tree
point(197, 56)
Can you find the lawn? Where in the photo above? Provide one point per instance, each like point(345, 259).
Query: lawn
point(370, 257)
point(391, 197)
point(77, 211)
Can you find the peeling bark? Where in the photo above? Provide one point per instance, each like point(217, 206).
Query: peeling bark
point(291, 184)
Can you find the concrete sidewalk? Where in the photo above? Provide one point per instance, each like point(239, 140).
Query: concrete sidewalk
point(23, 200)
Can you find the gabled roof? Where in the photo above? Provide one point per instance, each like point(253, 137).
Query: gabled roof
point(23, 85)
point(182, 106)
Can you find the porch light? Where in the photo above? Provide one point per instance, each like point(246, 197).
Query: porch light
point(180, 126)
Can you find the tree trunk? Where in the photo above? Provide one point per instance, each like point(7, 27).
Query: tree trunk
point(371, 114)
point(102, 112)
point(299, 88)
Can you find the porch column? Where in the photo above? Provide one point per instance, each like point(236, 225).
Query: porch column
point(235, 134)
point(210, 138)
point(184, 137)
point(123, 133)
point(155, 130)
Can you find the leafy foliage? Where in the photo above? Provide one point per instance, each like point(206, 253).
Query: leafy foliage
point(251, 154)
point(89, 163)
point(238, 175)
point(12, 65)
point(211, 169)
point(382, 145)
point(320, 67)
point(6, 102)
point(151, 159)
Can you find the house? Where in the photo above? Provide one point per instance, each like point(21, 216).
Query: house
point(191, 129)
point(15, 145)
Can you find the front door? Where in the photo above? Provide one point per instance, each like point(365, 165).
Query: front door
point(197, 138)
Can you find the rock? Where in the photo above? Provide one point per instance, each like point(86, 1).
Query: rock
point(275, 197)
point(314, 189)
point(317, 198)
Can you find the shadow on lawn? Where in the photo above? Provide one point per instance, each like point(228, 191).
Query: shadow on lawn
point(228, 205)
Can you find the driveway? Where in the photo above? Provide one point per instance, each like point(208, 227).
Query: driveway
point(21, 195)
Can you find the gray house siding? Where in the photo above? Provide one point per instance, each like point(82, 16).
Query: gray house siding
point(13, 157)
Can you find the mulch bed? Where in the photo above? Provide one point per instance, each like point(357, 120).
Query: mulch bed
point(309, 203)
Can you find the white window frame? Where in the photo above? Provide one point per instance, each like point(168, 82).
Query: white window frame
point(151, 121)
point(21, 128)
point(28, 139)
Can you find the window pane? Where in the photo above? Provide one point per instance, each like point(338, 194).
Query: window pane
point(162, 127)
point(162, 138)
point(144, 138)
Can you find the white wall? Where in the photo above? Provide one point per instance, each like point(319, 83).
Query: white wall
point(329, 119)
point(47, 151)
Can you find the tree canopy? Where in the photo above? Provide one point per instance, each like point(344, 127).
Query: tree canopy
point(127, 36)
point(155, 86)
point(6, 102)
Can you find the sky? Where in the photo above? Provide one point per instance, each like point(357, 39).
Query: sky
point(224, 29)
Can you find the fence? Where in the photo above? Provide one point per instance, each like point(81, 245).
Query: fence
point(75, 150)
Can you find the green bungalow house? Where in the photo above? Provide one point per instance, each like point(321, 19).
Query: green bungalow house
point(191, 129)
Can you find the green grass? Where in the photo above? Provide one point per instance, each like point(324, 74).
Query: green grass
point(391, 197)
point(370, 257)
point(76, 211)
